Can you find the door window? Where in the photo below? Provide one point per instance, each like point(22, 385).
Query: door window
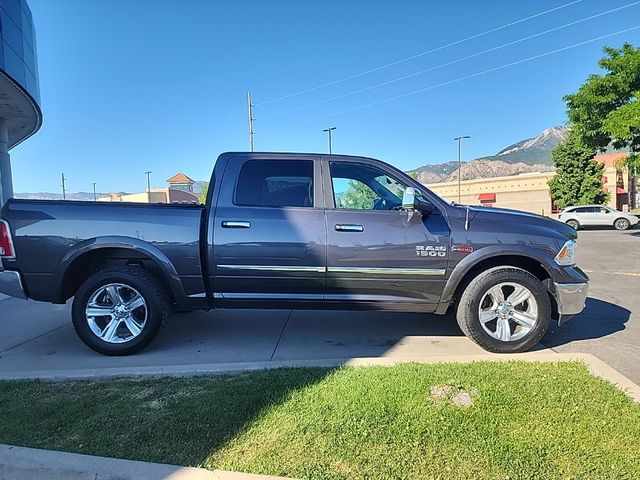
point(363, 187)
point(275, 183)
point(584, 210)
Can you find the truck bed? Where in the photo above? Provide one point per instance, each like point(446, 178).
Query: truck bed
point(48, 235)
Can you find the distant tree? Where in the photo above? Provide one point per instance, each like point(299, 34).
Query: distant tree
point(358, 196)
point(415, 175)
point(203, 193)
point(606, 108)
point(578, 178)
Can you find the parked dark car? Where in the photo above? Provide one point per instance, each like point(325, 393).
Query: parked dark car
point(293, 231)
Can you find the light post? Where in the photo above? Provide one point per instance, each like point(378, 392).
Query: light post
point(95, 198)
point(459, 140)
point(148, 186)
point(329, 130)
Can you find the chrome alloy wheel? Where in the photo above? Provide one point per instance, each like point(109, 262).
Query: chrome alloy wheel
point(508, 311)
point(116, 313)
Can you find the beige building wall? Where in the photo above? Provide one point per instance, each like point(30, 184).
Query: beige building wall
point(157, 195)
point(527, 191)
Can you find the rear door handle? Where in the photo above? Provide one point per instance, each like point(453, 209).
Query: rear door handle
point(235, 224)
point(347, 227)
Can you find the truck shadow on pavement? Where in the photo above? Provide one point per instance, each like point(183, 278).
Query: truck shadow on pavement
point(599, 319)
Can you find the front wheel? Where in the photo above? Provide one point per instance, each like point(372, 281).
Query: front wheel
point(573, 224)
point(622, 224)
point(505, 310)
point(118, 311)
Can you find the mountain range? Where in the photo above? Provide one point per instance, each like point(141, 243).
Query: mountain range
point(528, 155)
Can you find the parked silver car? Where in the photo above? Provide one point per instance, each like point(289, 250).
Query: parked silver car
point(597, 215)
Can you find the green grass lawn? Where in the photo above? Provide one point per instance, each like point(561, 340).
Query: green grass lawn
point(528, 420)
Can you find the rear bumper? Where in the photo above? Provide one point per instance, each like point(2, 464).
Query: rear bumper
point(571, 298)
point(11, 284)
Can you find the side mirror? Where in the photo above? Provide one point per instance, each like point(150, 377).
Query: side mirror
point(411, 201)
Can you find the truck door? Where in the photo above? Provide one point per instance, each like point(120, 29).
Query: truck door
point(375, 251)
point(269, 230)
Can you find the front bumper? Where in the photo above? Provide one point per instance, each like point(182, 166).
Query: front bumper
point(571, 298)
point(11, 284)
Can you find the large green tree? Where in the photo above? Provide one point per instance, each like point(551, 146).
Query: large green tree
point(578, 178)
point(606, 108)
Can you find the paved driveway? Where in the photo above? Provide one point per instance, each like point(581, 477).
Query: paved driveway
point(609, 327)
point(39, 336)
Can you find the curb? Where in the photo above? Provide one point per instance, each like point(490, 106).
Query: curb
point(596, 366)
point(21, 463)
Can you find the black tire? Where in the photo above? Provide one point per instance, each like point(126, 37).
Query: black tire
point(133, 279)
point(574, 224)
point(468, 315)
point(622, 224)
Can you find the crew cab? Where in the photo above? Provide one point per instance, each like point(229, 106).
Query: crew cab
point(288, 230)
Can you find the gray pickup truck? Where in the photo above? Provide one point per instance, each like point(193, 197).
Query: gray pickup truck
point(285, 230)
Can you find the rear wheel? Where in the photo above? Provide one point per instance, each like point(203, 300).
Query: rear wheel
point(573, 224)
point(119, 311)
point(505, 310)
point(622, 224)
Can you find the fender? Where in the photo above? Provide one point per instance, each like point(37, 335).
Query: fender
point(485, 253)
point(114, 241)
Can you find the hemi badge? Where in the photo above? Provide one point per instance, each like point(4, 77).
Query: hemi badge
point(462, 248)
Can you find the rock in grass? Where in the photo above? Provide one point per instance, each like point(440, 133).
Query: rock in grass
point(451, 394)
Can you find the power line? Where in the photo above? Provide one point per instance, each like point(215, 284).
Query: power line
point(446, 64)
point(459, 79)
point(421, 54)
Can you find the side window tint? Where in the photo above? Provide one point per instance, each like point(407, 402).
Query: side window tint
point(364, 187)
point(275, 183)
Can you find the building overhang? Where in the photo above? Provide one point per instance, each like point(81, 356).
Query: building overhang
point(21, 112)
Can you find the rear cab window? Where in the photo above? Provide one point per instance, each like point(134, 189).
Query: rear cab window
point(275, 183)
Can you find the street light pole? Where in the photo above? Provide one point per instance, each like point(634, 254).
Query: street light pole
point(148, 186)
point(459, 140)
point(95, 199)
point(329, 130)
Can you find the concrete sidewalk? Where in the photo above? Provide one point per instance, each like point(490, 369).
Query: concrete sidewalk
point(20, 463)
point(39, 337)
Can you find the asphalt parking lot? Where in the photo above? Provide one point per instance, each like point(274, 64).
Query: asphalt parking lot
point(39, 337)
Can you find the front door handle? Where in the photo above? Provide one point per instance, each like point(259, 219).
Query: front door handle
point(235, 224)
point(348, 227)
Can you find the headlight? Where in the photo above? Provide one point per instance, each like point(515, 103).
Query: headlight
point(567, 254)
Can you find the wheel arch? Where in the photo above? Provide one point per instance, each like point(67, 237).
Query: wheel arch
point(621, 218)
point(91, 255)
point(537, 264)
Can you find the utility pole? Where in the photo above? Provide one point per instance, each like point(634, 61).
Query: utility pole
point(95, 198)
point(250, 120)
point(64, 187)
point(148, 186)
point(329, 130)
point(459, 140)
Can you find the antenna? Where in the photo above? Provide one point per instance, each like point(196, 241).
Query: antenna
point(466, 220)
point(250, 120)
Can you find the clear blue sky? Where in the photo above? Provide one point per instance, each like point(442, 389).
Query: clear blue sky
point(135, 85)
